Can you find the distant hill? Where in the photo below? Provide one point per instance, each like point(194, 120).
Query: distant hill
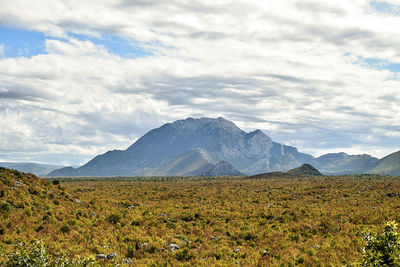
point(222, 168)
point(342, 163)
point(305, 169)
point(189, 163)
point(190, 147)
point(63, 172)
point(35, 168)
point(389, 165)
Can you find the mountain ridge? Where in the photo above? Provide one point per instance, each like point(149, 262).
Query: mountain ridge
point(190, 146)
point(38, 169)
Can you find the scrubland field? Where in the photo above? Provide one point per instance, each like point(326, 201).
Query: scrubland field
point(310, 221)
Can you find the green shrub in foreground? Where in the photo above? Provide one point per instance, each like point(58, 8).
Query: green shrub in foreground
point(37, 256)
point(382, 249)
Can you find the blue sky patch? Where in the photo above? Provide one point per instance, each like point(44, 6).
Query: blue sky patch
point(381, 64)
point(21, 43)
point(24, 43)
point(124, 47)
point(385, 7)
point(376, 63)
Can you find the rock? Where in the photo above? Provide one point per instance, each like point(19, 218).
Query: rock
point(127, 261)
point(144, 244)
point(111, 256)
point(215, 238)
point(80, 213)
point(78, 201)
point(91, 214)
point(236, 250)
point(101, 257)
point(174, 247)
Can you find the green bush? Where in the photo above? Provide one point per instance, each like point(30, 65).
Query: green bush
point(184, 254)
point(38, 256)
point(5, 207)
point(65, 229)
point(114, 218)
point(382, 249)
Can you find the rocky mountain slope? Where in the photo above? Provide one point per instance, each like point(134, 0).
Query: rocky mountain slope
point(389, 165)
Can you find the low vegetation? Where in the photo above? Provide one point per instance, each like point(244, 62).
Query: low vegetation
point(306, 221)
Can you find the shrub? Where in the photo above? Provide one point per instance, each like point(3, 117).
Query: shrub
point(65, 229)
point(382, 249)
point(135, 223)
point(5, 207)
point(39, 228)
point(131, 252)
point(37, 255)
point(184, 254)
point(56, 182)
point(114, 218)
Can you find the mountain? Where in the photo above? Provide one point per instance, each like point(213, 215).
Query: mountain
point(192, 146)
point(341, 163)
point(305, 169)
point(222, 168)
point(389, 165)
point(35, 168)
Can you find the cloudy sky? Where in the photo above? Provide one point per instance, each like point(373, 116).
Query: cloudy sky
point(80, 77)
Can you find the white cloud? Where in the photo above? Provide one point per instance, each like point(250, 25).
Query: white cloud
point(288, 67)
point(1, 50)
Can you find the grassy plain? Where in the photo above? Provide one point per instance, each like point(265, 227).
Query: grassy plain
point(310, 221)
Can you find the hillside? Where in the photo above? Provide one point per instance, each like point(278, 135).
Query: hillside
point(304, 170)
point(389, 165)
point(35, 168)
point(222, 168)
point(35, 209)
point(342, 163)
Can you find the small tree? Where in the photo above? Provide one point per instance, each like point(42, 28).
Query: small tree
point(382, 249)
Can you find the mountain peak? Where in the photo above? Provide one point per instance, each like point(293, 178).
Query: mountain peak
point(194, 124)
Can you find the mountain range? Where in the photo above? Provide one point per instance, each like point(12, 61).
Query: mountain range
point(194, 147)
point(35, 168)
